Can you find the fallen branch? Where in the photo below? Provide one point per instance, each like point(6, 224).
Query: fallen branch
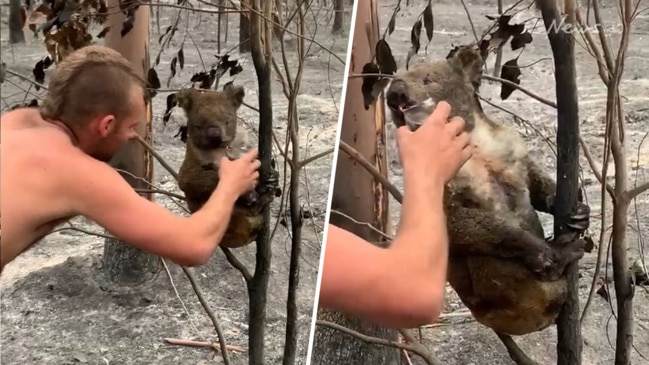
point(177, 341)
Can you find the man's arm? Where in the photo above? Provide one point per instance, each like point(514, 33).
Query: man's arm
point(402, 286)
point(98, 192)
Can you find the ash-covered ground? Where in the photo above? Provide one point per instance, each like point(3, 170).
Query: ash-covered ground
point(54, 310)
point(462, 341)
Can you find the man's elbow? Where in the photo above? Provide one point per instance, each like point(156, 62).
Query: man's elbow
point(195, 253)
point(427, 309)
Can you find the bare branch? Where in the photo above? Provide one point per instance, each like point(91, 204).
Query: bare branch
point(516, 86)
point(351, 152)
point(414, 348)
point(232, 259)
point(637, 190)
point(315, 157)
point(215, 322)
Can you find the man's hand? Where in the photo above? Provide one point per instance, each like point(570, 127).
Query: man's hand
point(240, 174)
point(437, 150)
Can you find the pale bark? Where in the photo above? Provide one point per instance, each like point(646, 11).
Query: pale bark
point(357, 194)
point(123, 263)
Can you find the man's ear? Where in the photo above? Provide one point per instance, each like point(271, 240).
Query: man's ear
point(106, 125)
point(236, 93)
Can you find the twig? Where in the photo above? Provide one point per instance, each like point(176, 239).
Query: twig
point(232, 259)
point(157, 157)
point(349, 150)
point(160, 191)
point(315, 157)
point(516, 86)
point(215, 322)
point(26, 79)
point(514, 351)
point(415, 348)
point(363, 224)
point(466, 10)
point(591, 162)
point(177, 341)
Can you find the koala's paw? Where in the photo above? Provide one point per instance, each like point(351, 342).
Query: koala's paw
point(579, 220)
point(249, 199)
point(561, 251)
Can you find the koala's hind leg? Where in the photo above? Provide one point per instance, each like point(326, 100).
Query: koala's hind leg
point(476, 232)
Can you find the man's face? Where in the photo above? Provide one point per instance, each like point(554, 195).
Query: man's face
point(120, 131)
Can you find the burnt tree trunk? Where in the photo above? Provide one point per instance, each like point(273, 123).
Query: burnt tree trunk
point(16, 34)
point(357, 194)
point(124, 264)
point(244, 26)
point(260, 36)
point(339, 8)
point(569, 339)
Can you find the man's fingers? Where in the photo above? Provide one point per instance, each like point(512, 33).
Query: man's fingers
point(256, 164)
point(456, 125)
point(440, 114)
point(250, 155)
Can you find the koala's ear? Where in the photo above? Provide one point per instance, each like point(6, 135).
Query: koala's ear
point(236, 93)
point(185, 98)
point(469, 61)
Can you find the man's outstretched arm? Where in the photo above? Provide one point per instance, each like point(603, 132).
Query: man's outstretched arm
point(402, 286)
point(98, 192)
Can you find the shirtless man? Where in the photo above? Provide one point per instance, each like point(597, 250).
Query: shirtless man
point(53, 167)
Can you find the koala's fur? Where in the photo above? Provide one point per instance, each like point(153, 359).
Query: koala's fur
point(500, 263)
point(213, 131)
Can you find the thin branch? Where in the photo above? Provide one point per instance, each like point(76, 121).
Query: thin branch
point(232, 259)
point(157, 157)
point(215, 322)
point(351, 152)
point(631, 194)
point(591, 162)
point(390, 238)
point(26, 79)
point(466, 10)
point(177, 341)
point(315, 157)
point(516, 86)
point(414, 348)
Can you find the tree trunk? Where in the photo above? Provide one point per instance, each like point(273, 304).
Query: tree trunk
point(244, 27)
point(338, 16)
point(358, 195)
point(122, 263)
point(16, 34)
point(261, 36)
point(569, 339)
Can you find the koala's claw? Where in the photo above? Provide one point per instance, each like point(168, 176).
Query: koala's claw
point(579, 221)
point(561, 251)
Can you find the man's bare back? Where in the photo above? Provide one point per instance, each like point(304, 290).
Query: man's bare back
point(30, 149)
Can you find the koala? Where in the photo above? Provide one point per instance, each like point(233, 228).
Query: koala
point(213, 132)
point(504, 269)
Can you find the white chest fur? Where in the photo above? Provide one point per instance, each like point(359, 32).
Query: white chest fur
point(497, 172)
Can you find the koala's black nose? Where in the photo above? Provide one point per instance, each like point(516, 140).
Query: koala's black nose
point(397, 98)
point(213, 135)
point(398, 95)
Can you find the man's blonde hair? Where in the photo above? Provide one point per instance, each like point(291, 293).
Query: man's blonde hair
point(90, 82)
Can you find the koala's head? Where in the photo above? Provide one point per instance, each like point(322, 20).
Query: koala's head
point(211, 115)
point(454, 80)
